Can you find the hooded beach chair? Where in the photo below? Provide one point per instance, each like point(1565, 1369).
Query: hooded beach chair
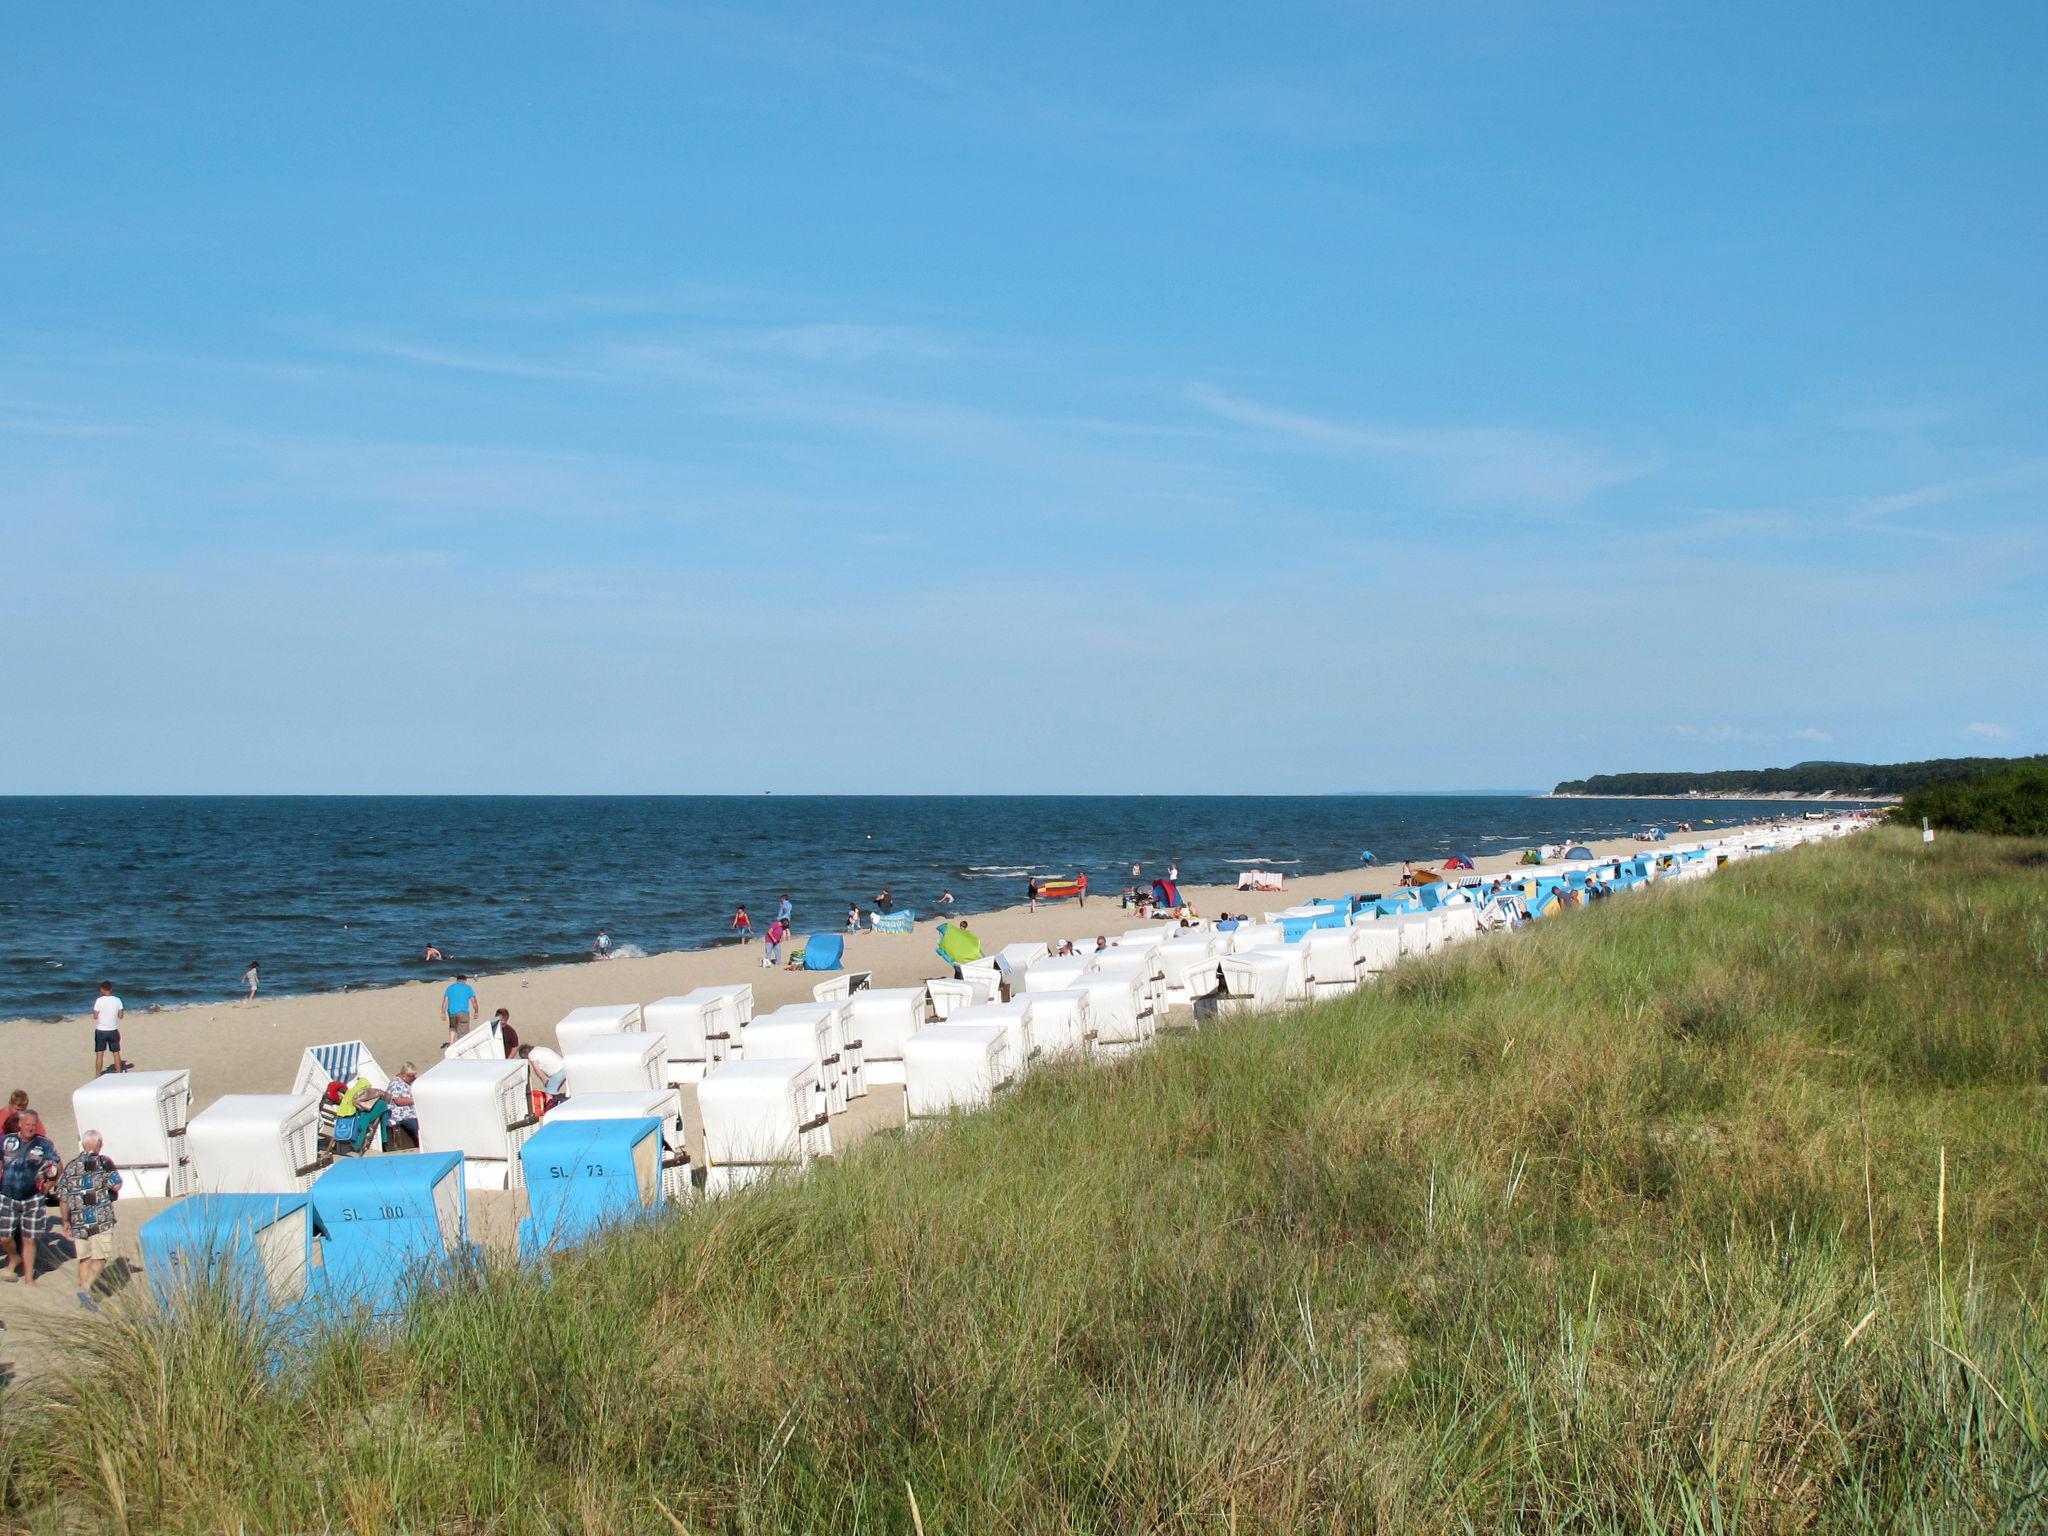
point(664, 1105)
point(761, 1117)
point(341, 1062)
point(581, 1024)
point(261, 1246)
point(481, 1109)
point(952, 1067)
point(584, 1177)
point(256, 1144)
point(388, 1225)
point(141, 1118)
point(702, 1026)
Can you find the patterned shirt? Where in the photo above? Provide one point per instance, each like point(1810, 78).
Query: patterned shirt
point(22, 1158)
point(87, 1187)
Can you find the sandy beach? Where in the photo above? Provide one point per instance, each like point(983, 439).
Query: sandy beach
point(232, 1047)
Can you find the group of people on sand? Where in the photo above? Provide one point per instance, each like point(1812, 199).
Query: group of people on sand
point(39, 1187)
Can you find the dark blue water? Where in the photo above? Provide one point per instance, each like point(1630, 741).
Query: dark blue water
point(171, 897)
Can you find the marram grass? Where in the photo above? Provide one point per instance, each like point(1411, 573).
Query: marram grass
point(1718, 1209)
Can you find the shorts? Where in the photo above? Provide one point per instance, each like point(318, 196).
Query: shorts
point(107, 1040)
point(29, 1217)
point(95, 1245)
point(459, 1023)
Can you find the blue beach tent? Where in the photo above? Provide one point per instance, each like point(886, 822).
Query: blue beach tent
point(583, 1176)
point(259, 1245)
point(824, 951)
point(388, 1224)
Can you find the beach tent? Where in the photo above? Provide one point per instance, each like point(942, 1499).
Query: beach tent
point(1531, 856)
point(387, 1224)
point(824, 951)
point(1578, 851)
point(958, 944)
point(583, 1176)
point(1166, 893)
point(1458, 861)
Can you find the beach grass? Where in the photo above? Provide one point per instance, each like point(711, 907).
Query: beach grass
point(1716, 1209)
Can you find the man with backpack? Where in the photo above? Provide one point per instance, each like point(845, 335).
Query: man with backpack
point(86, 1190)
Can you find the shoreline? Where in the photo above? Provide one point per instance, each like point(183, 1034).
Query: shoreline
point(235, 1047)
point(439, 973)
point(1705, 796)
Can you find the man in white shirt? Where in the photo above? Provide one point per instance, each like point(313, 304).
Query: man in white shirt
point(106, 1030)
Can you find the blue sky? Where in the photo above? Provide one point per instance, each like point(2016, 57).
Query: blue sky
point(635, 396)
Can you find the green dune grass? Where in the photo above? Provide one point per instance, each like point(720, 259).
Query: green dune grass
point(1719, 1208)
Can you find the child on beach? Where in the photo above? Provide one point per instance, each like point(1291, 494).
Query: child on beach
point(742, 924)
point(249, 981)
point(853, 917)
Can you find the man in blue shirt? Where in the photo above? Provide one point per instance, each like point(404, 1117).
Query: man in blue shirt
point(782, 913)
point(458, 1007)
point(24, 1157)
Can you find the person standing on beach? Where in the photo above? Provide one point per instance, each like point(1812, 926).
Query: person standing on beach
point(742, 924)
point(853, 917)
point(1031, 893)
point(1081, 888)
point(458, 1006)
point(249, 981)
point(23, 1158)
point(1173, 873)
point(107, 1014)
point(87, 1188)
point(601, 946)
point(785, 911)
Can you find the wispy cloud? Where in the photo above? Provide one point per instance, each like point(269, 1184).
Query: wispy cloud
point(1864, 509)
point(1988, 730)
point(1472, 464)
point(1812, 733)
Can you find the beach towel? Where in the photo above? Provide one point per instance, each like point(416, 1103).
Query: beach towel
point(959, 945)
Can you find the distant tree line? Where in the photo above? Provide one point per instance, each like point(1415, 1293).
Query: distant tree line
point(1802, 778)
point(2011, 801)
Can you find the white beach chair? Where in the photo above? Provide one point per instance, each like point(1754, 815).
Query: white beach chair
point(946, 995)
point(1119, 1009)
point(846, 1067)
point(948, 1068)
point(1254, 981)
point(480, 1044)
point(1331, 958)
point(1379, 945)
point(1012, 960)
point(761, 1116)
point(342, 1062)
point(1060, 1025)
point(703, 1027)
point(1015, 1016)
point(1053, 973)
point(882, 1018)
point(482, 1110)
point(256, 1144)
point(837, 989)
point(809, 1032)
point(987, 973)
point(633, 1062)
point(580, 1024)
point(142, 1119)
point(1187, 968)
point(1296, 961)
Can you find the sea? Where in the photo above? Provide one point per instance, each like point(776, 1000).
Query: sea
point(171, 897)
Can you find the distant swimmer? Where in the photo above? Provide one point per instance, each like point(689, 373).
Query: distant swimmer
point(432, 953)
point(249, 981)
point(601, 946)
point(946, 899)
